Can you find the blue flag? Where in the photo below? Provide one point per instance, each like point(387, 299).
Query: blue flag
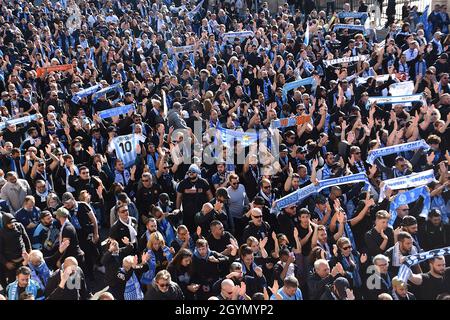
point(306, 37)
point(115, 111)
point(424, 20)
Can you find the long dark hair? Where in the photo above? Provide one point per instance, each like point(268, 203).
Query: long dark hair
point(176, 261)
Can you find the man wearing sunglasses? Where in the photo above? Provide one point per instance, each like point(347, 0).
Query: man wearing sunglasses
point(256, 227)
point(192, 193)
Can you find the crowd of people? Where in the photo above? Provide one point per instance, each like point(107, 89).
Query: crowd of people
point(104, 183)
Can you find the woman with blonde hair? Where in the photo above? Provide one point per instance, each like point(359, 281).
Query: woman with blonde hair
point(160, 256)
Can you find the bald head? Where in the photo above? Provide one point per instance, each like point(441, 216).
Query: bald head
point(227, 285)
point(207, 207)
point(70, 261)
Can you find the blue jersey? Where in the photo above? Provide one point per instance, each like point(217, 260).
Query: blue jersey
point(125, 147)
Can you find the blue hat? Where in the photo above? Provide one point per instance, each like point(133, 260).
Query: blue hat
point(194, 168)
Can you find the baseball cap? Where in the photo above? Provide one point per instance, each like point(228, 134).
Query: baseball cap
point(320, 199)
point(283, 148)
point(194, 168)
point(222, 192)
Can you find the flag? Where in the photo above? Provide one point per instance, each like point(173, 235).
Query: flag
point(306, 37)
point(424, 20)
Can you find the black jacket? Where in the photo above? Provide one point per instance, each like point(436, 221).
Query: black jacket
point(317, 286)
point(174, 293)
point(119, 282)
point(12, 241)
point(113, 263)
point(119, 230)
point(54, 292)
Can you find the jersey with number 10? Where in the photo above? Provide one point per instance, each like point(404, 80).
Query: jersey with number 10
point(125, 147)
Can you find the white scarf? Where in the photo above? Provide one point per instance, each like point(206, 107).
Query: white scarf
point(133, 233)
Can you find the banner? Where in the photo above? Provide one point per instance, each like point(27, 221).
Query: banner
point(114, 87)
point(381, 152)
point(183, 49)
point(239, 34)
point(405, 272)
point(349, 26)
point(18, 121)
point(289, 122)
point(353, 15)
point(401, 88)
point(246, 138)
point(331, 62)
point(295, 84)
point(405, 182)
point(396, 100)
point(408, 197)
point(381, 78)
point(116, 111)
point(300, 194)
point(44, 70)
point(85, 93)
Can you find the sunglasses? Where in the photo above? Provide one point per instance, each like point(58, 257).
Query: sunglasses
point(257, 217)
point(346, 248)
point(163, 285)
point(267, 187)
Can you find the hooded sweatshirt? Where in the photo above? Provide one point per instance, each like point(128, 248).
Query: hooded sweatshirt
point(12, 241)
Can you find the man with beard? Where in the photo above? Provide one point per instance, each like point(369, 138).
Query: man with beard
point(45, 236)
point(434, 282)
point(396, 254)
point(192, 193)
point(409, 224)
point(433, 233)
point(257, 227)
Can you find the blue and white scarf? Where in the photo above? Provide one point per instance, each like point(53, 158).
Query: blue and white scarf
point(246, 138)
point(112, 88)
point(85, 93)
point(411, 260)
point(332, 62)
point(405, 182)
point(381, 152)
point(13, 290)
point(148, 276)
point(305, 192)
point(295, 84)
point(354, 15)
point(239, 34)
point(408, 197)
point(359, 27)
point(395, 100)
point(116, 111)
point(18, 121)
point(133, 289)
point(40, 274)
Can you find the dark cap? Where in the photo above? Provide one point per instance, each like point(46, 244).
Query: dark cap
point(222, 192)
point(320, 199)
point(7, 218)
point(283, 148)
point(44, 213)
point(341, 284)
point(112, 129)
point(258, 201)
point(443, 56)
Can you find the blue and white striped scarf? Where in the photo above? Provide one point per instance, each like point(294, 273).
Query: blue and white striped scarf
point(133, 289)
